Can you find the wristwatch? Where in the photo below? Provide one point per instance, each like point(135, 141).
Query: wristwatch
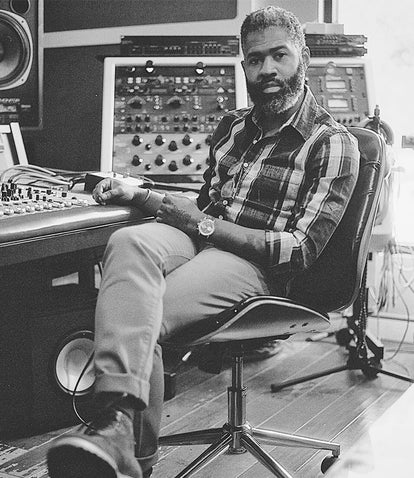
point(206, 227)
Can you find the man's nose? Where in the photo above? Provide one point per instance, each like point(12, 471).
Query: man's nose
point(269, 66)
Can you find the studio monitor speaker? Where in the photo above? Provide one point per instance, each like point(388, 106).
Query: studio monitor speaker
point(43, 353)
point(21, 62)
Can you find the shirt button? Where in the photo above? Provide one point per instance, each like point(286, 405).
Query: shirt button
point(225, 202)
point(245, 165)
point(221, 217)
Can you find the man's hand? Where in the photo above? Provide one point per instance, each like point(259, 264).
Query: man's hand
point(179, 211)
point(111, 190)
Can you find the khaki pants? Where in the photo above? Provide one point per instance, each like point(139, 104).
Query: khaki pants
point(156, 281)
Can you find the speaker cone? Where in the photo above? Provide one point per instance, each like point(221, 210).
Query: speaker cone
point(16, 50)
point(69, 363)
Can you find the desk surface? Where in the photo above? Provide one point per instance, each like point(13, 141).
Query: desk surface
point(43, 234)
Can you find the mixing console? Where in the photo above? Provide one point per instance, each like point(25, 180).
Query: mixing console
point(21, 199)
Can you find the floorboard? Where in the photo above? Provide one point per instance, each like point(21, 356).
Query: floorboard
point(340, 407)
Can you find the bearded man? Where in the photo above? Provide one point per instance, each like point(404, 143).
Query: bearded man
point(279, 179)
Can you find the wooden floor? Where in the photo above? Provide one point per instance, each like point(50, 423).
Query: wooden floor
point(339, 407)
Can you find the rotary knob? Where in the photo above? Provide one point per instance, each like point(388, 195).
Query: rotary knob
point(173, 166)
point(136, 140)
point(136, 160)
point(175, 102)
point(187, 140)
point(159, 140)
point(173, 146)
point(135, 103)
point(159, 160)
point(187, 160)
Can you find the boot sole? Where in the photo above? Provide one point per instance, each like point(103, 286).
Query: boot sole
point(74, 457)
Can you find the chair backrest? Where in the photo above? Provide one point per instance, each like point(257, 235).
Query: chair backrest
point(334, 280)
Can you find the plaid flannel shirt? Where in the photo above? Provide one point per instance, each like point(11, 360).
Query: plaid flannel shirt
point(294, 185)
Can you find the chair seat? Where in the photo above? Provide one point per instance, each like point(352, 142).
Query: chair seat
point(258, 317)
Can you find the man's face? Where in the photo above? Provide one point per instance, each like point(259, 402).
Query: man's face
point(275, 70)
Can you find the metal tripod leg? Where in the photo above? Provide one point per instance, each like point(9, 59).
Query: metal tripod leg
point(275, 387)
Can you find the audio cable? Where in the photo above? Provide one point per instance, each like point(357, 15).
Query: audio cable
point(75, 389)
point(32, 175)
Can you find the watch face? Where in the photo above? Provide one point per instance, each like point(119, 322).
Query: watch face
point(206, 227)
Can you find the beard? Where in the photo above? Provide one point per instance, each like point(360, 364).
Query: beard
point(279, 102)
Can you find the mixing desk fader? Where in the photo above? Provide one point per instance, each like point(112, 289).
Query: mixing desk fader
point(17, 200)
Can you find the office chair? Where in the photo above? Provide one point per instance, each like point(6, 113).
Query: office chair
point(331, 284)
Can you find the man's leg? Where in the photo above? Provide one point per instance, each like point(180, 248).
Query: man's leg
point(198, 290)
point(128, 319)
point(208, 284)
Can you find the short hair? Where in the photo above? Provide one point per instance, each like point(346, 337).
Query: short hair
point(271, 16)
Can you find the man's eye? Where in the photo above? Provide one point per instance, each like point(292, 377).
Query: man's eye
point(279, 56)
point(253, 61)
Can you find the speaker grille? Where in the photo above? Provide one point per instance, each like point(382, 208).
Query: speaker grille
point(71, 357)
point(16, 50)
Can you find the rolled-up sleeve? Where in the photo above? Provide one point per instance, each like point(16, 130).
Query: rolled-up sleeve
point(331, 174)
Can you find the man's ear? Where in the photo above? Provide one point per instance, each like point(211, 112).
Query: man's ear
point(306, 56)
point(243, 66)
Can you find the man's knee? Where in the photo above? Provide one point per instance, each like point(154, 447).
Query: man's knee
point(130, 236)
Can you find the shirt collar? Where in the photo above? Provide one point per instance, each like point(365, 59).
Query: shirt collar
point(302, 120)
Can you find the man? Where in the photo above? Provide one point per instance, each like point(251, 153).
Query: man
point(280, 177)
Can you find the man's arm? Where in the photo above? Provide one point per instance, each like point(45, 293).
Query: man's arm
point(332, 174)
point(111, 190)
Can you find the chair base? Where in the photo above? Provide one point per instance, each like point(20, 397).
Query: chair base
point(241, 439)
point(238, 436)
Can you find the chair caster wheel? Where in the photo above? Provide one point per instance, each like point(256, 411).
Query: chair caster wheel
point(327, 462)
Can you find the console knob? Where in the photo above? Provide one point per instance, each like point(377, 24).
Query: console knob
point(188, 160)
point(175, 102)
point(159, 160)
point(136, 160)
point(135, 103)
point(136, 140)
point(173, 166)
point(187, 140)
point(159, 140)
point(173, 146)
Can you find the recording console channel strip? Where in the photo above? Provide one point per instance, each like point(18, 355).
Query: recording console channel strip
point(19, 200)
point(37, 223)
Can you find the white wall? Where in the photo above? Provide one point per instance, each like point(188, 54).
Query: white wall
point(389, 28)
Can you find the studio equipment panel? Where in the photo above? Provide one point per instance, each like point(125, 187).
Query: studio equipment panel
point(159, 112)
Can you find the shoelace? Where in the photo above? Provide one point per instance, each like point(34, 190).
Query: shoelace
point(104, 421)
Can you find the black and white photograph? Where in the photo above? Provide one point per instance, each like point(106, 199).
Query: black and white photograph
point(206, 244)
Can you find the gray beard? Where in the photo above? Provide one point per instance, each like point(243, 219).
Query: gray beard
point(277, 103)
